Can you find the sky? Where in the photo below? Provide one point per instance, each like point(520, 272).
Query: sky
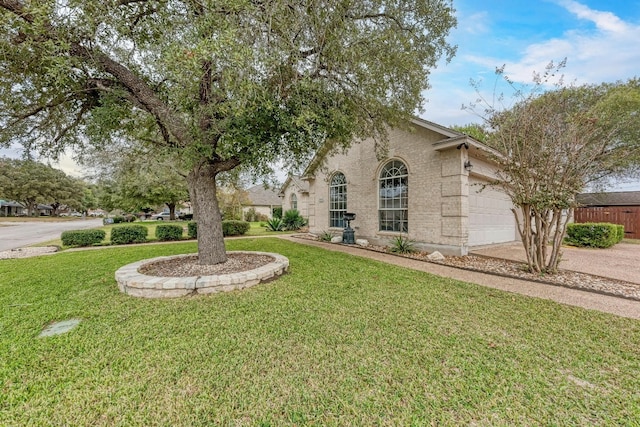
point(600, 40)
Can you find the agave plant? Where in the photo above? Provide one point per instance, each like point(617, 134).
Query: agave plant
point(275, 224)
point(402, 245)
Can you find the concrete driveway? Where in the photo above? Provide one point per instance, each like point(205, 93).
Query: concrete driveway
point(622, 261)
point(15, 235)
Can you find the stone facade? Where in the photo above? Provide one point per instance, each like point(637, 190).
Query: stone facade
point(438, 187)
point(295, 195)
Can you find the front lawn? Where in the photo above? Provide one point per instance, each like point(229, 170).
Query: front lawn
point(339, 340)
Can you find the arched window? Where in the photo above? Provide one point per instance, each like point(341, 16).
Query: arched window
point(337, 200)
point(394, 197)
point(294, 201)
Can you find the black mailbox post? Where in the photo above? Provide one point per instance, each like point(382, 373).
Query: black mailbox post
point(348, 235)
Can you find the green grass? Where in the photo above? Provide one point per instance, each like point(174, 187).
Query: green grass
point(339, 341)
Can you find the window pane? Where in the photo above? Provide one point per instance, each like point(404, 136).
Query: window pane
point(337, 200)
point(393, 197)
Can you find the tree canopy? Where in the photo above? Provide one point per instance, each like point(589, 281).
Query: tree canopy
point(222, 82)
point(32, 183)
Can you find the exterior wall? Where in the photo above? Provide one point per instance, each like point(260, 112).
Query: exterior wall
point(264, 210)
point(303, 200)
point(438, 191)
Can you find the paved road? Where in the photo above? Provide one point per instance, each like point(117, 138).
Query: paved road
point(20, 234)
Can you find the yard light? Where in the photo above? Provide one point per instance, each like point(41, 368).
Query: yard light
point(468, 166)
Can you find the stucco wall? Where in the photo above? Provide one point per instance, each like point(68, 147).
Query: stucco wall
point(438, 191)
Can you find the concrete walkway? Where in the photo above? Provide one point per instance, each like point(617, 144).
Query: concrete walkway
point(589, 300)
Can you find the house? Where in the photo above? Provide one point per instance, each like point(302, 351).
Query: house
point(262, 200)
point(8, 208)
point(295, 195)
point(431, 187)
point(621, 207)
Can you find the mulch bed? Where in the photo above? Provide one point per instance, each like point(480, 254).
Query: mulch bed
point(188, 266)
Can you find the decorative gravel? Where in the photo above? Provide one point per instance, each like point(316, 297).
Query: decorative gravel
point(28, 252)
point(188, 266)
point(502, 267)
point(570, 279)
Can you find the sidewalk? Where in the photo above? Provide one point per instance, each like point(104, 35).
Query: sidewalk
point(589, 300)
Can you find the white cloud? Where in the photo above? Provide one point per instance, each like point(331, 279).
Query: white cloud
point(607, 53)
point(605, 21)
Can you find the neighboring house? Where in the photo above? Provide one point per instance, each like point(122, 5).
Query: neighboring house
point(263, 200)
point(8, 208)
point(616, 207)
point(44, 210)
point(295, 195)
point(432, 188)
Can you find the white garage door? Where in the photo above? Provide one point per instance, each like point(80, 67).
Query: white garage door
point(490, 216)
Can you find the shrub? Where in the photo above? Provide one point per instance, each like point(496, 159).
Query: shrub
point(192, 230)
point(293, 220)
point(82, 237)
point(125, 234)
point(166, 232)
point(118, 219)
point(402, 245)
point(591, 234)
point(235, 228)
point(129, 218)
point(229, 228)
point(186, 217)
point(275, 224)
point(251, 215)
point(620, 232)
point(325, 236)
point(276, 212)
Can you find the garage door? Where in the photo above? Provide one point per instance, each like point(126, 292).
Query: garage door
point(490, 217)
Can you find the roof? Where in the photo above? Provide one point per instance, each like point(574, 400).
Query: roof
point(452, 139)
point(260, 196)
point(620, 198)
point(296, 180)
point(11, 204)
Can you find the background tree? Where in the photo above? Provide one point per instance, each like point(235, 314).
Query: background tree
point(32, 183)
point(221, 82)
point(551, 144)
point(139, 177)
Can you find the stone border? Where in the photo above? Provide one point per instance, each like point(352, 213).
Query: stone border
point(136, 284)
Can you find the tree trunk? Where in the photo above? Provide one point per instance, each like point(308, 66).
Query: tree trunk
point(172, 210)
point(202, 188)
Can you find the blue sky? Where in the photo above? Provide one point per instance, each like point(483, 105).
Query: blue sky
point(599, 39)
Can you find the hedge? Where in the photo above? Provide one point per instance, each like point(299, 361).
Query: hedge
point(192, 230)
point(125, 234)
point(595, 235)
point(229, 228)
point(82, 237)
point(165, 232)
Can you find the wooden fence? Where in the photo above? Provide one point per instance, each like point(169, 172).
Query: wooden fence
point(628, 216)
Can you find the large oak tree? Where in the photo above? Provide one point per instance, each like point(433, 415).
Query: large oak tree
point(222, 83)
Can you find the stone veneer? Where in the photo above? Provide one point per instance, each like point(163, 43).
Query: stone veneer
point(133, 283)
